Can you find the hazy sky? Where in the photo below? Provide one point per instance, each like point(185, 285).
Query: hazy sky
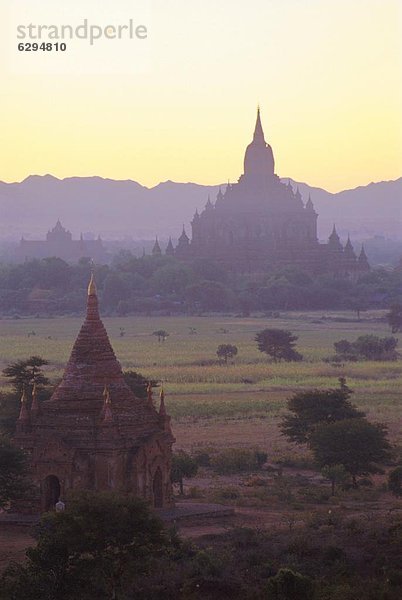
point(327, 74)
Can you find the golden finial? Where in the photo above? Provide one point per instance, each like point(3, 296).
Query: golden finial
point(35, 406)
point(162, 408)
point(92, 284)
point(105, 390)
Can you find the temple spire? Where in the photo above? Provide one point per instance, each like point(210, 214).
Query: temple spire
point(24, 413)
point(258, 131)
point(309, 204)
point(349, 251)
point(35, 406)
point(164, 417)
point(334, 243)
point(162, 408)
point(156, 250)
point(92, 291)
point(92, 300)
point(23, 422)
point(169, 248)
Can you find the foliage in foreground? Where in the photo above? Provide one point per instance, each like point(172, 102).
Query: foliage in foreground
point(356, 444)
point(313, 407)
point(337, 433)
point(102, 550)
point(183, 466)
point(14, 483)
point(94, 549)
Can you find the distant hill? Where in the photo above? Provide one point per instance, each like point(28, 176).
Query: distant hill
point(118, 209)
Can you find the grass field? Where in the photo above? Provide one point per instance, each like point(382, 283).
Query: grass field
point(209, 402)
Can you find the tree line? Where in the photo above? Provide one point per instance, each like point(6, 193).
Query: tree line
point(164, 284)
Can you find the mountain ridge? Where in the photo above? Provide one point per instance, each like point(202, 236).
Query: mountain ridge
point(126, 208)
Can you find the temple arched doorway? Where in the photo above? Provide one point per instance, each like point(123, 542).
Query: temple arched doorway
point(157, 488)
point(51, 492)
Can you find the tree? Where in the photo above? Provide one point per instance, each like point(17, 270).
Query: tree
point(161, 334)
point(336, 474)
point(10, 406)
point(394, 318)
point(93, 549)
point(171, 279)
point(226, 351)
point(13, 473)
point(290, 585)
point(315, 407)
point(366, 347)
point(183, 465)
point(209, 295)
point(115, 288)
point(279, 344)
point(26, 373)
point(372, 347)
point(356, 444)
point(395, 481)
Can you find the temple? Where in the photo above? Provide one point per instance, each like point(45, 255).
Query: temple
point(260, 223)
point(93, 433)
point(59, 243)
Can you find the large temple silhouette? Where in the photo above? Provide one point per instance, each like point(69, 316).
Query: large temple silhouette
point(260, 222)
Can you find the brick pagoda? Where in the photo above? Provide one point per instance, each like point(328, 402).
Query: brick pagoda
point(93, 433)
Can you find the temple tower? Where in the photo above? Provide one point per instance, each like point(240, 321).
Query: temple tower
point(93, 433)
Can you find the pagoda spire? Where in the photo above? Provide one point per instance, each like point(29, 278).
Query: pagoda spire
point(334, 242)
point(150, 394)
point(24, 412)
point(92, 300)
point(35, 406)
point(164, 417)
point(309, 203)
point(156, 250)
point(162, 407)
point(258, 131)
point(169, 248)
point(184, 240)
point(363, 256)
point(349, 251)
point(23, 423)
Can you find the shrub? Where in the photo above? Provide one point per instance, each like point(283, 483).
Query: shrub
point(237, 460)
point(289, 585)
point(202, 458)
